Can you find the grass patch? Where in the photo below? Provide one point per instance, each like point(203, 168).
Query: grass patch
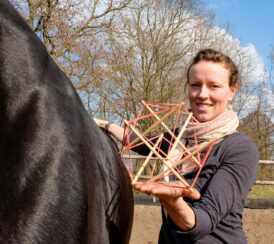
point(262, 192)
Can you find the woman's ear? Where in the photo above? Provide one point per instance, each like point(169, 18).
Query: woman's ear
point(233, 91)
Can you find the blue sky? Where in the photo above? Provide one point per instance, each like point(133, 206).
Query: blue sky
point(251, 21)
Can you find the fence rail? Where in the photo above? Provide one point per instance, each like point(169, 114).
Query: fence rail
point(266, 162)
point(264, 182)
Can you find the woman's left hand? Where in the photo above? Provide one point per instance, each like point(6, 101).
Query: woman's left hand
point(170, 195)
point(168, 190)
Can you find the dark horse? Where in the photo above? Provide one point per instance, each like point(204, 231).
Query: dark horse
point(61, 178)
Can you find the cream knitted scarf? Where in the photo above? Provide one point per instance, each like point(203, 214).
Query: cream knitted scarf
point(223, 125)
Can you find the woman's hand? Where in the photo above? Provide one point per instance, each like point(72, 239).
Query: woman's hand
point(168, 190)
point(170, 195)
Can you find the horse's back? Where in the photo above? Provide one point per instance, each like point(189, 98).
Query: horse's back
point(61, 178)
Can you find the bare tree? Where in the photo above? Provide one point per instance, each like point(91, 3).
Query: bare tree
point(260, 128)
point(148, 50)
point(259, 124)
point(71, 29)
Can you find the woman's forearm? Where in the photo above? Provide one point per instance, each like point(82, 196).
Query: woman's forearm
point(116, 131)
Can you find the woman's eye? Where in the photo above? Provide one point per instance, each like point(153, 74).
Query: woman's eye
point(215, 86)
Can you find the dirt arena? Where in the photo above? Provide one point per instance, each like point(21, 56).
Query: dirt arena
point(258, 225)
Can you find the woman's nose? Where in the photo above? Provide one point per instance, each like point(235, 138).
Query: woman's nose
point(203, 92)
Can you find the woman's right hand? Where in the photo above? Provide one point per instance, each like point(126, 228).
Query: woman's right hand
point(101, 123)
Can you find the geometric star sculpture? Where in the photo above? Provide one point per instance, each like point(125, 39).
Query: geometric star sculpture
point(159, 167)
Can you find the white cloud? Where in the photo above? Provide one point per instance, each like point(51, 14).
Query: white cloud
point(256, 71)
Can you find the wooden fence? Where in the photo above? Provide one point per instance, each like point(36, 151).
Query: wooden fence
point(265, 173)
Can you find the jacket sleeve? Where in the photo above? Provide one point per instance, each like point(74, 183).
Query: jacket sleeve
point(227, 188)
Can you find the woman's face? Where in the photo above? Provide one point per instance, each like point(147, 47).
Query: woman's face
point(209, 92)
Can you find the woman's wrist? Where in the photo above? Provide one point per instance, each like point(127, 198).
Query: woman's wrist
point(181, 213)
point(107, 126)
point(111, 128)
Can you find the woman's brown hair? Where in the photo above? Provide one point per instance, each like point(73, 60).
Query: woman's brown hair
point(214, 56)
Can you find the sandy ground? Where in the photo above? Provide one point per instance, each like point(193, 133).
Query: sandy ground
point(258, 225)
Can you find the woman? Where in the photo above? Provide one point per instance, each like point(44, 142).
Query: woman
point(213, 213)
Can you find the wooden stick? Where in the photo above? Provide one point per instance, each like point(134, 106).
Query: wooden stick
point(167, 163)
point(180, 134)
point(162, 174)
point(171, 133)
point(152, 126)
point(146, 161)
point(134, 156)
